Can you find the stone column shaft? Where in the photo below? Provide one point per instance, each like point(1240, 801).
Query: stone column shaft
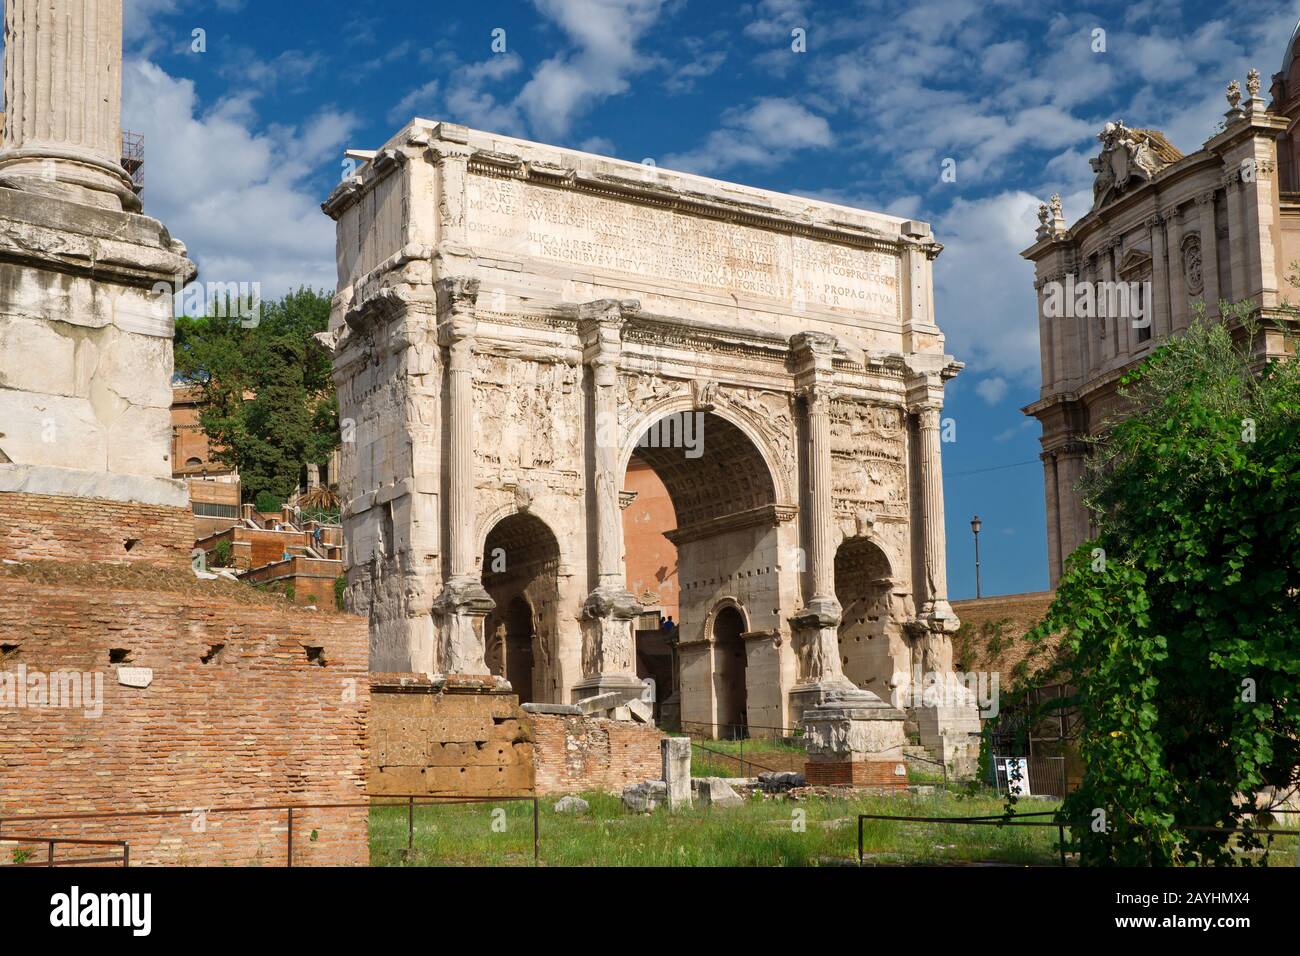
point(821, 560)
point(460, 492)
point(1159, 306)
point(1179, 308)
point(933, 541)
point(1209, 252)
point(463, 603)
point(608, 652)
point(63, 97)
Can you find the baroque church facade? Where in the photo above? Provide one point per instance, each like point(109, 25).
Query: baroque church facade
point(1221, 224)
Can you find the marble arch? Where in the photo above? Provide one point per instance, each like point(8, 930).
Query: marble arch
point(512, 316)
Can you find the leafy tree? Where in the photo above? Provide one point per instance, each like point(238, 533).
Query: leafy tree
point(269, 403)
point(1180, 619)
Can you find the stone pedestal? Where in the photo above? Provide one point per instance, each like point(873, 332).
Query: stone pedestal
point(854, 739)
point(608, 649)
point(463, 606)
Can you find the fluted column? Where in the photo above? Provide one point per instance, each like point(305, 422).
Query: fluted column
point(936, 609)
point(63, 96)
point(1158, 306)
point(817, 624)
point(609, 613)
point(464, 603)
point(1179, 306)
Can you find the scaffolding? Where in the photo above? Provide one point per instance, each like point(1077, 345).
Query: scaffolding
point(133, 158)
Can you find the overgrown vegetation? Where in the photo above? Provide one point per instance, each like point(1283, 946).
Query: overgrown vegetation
point(222, 555)
point(1181, 618)
point(269, 403)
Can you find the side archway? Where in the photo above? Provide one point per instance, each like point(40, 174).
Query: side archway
point(521, 559)
point(868, 634)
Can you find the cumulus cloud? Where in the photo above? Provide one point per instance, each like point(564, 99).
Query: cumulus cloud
point(604, 34)
point(764, 134)
point(984, 293)
point(992, 390)
point(240, 198)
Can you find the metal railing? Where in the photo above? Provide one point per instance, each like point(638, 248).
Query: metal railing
point(50, 843)
point(739, 733)
point(1021, 820)
point(410, 801)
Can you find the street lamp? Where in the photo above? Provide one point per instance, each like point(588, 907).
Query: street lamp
point(975, 530)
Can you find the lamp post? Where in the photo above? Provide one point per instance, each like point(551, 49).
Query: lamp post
point(975, 529)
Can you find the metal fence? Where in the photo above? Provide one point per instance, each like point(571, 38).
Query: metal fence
point(51, 844)
point(410, 801)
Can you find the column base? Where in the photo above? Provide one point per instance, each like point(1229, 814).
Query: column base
point(463, 605)
point(854, 739)
point(608, 654)
point(62, 173)
point(951, 733)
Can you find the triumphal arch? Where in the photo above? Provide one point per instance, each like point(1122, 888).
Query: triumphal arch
point(518, 325)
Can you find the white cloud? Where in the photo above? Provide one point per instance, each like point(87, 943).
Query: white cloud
point(419, 102)
point(992, 390)
point(764, 135)
point(605, 34)
point(241, 200)
point(984, 292)
point(776, 18)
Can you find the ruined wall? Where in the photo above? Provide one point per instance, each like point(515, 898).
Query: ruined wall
point(580, 754)
point(247, 704)
point(425, 741)
point(58, 528)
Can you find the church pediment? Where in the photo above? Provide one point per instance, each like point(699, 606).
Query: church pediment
point(1129, 159)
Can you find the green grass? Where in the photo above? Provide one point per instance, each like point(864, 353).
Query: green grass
point(763, 832)
point(723, 758)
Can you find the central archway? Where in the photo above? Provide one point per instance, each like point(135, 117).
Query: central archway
point(704, 503)
point(520, 563)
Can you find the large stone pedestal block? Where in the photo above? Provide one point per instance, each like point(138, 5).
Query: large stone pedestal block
point(854, 739)
point(952, 734)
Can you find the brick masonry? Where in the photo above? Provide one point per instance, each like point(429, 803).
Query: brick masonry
point(241, 710)
point(57, 528)
point(855, 773)
point(579, 754)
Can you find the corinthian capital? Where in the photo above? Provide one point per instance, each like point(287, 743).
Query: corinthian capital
point(927, 416)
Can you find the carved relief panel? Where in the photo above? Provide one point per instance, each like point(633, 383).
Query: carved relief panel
point(868, 459)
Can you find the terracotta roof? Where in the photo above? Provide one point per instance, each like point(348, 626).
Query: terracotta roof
point(1165, 151)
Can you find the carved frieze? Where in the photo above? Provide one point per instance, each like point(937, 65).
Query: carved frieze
point(528, 415)
point(868, 459)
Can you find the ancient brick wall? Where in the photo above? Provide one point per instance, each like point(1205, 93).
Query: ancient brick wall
point(577, 754)
point(251, 702)
point(855, 773)
point(427, 741)
point(57, 528)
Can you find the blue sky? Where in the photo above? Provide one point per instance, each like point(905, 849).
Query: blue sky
point(244, 139)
